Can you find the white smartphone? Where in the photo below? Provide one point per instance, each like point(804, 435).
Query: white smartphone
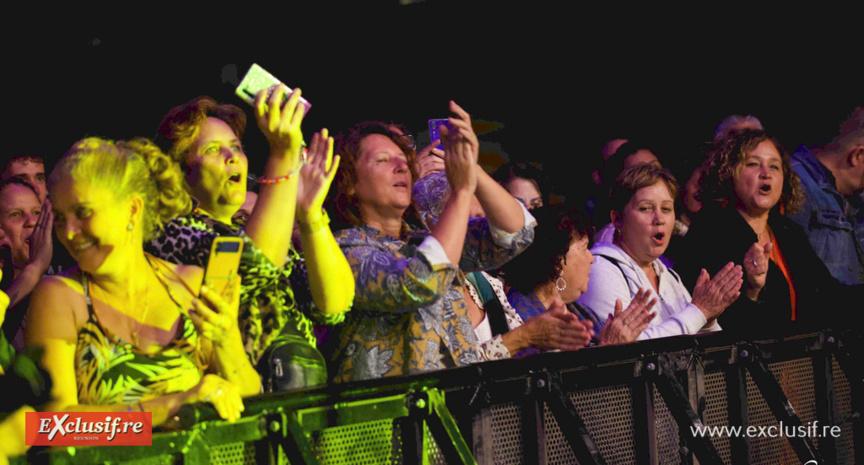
point(257, 79)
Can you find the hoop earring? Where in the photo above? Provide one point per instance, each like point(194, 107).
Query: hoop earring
point(561, 287)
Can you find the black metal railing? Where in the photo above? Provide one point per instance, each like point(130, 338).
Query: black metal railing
point(638, 403)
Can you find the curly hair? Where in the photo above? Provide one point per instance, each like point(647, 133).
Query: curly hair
point(127, 168)
point(726, 158)
point(179, 129)
point(22, 159)
point(343, 207)
point(543, 261)
point(638, 177)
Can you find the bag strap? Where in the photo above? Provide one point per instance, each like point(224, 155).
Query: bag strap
point(617, 265)
point(493, 307)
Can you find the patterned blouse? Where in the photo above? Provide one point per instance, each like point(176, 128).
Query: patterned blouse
point(272, 299)
point(409, 314)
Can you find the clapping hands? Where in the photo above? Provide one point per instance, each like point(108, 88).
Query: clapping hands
point(316, 176)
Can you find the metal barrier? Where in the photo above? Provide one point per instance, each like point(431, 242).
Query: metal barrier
point(638, 403)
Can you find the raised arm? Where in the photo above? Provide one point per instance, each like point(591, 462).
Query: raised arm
point(330, 281)
point(272, 218)
point(502, 210)
point(460, 152)
point(507, 229)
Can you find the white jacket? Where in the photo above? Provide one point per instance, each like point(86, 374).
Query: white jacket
point(608, 281)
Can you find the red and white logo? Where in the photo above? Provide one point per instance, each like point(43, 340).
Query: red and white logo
point(89, 428)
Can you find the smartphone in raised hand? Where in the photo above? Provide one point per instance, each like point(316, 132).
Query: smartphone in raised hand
point(258, 79)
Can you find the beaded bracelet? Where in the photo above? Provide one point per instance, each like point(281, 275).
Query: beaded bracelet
point(315, 226)
point(288, 176)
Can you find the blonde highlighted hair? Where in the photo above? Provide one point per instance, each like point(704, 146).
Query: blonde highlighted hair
point(126, 168)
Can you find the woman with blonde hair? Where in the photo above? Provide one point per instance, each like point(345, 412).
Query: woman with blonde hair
point(124, 330)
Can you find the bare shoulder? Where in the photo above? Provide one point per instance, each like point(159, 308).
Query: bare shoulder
point(57, 309)
point(59, 288)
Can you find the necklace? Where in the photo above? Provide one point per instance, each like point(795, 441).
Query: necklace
point(140, 322)
point(164, 282)
point(764, 234)
point(111, 302)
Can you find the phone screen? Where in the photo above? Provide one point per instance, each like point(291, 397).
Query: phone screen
point(223, 263)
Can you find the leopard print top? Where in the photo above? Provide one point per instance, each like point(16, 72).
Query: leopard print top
point(273, 299)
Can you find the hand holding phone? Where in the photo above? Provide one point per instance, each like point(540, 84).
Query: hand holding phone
point(430, 160)
point(435, 129)
point(258, 79)
point(223, 263)
point(215, 312)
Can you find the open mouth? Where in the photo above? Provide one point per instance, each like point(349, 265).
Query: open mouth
point(79, 246)
point(765, 188)
point(658, 238)
point(236, 177)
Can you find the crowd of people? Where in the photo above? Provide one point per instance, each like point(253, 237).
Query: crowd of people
point(429, 262)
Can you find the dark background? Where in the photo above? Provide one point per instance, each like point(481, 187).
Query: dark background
point(557, 80)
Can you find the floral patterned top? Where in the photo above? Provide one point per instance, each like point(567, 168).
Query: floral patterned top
point(272, 299)
point(409, 314)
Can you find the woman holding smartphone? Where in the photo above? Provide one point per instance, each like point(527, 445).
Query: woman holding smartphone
point(124, 330)
point(278, 300)
point(410, 314)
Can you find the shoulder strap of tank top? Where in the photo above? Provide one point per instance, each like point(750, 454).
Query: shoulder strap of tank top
point(85, 285)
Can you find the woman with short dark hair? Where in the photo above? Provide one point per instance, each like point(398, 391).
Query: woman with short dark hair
point(643, 215)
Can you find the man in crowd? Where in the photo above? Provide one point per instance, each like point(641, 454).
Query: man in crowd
point(28, 168)
point(833, 215)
